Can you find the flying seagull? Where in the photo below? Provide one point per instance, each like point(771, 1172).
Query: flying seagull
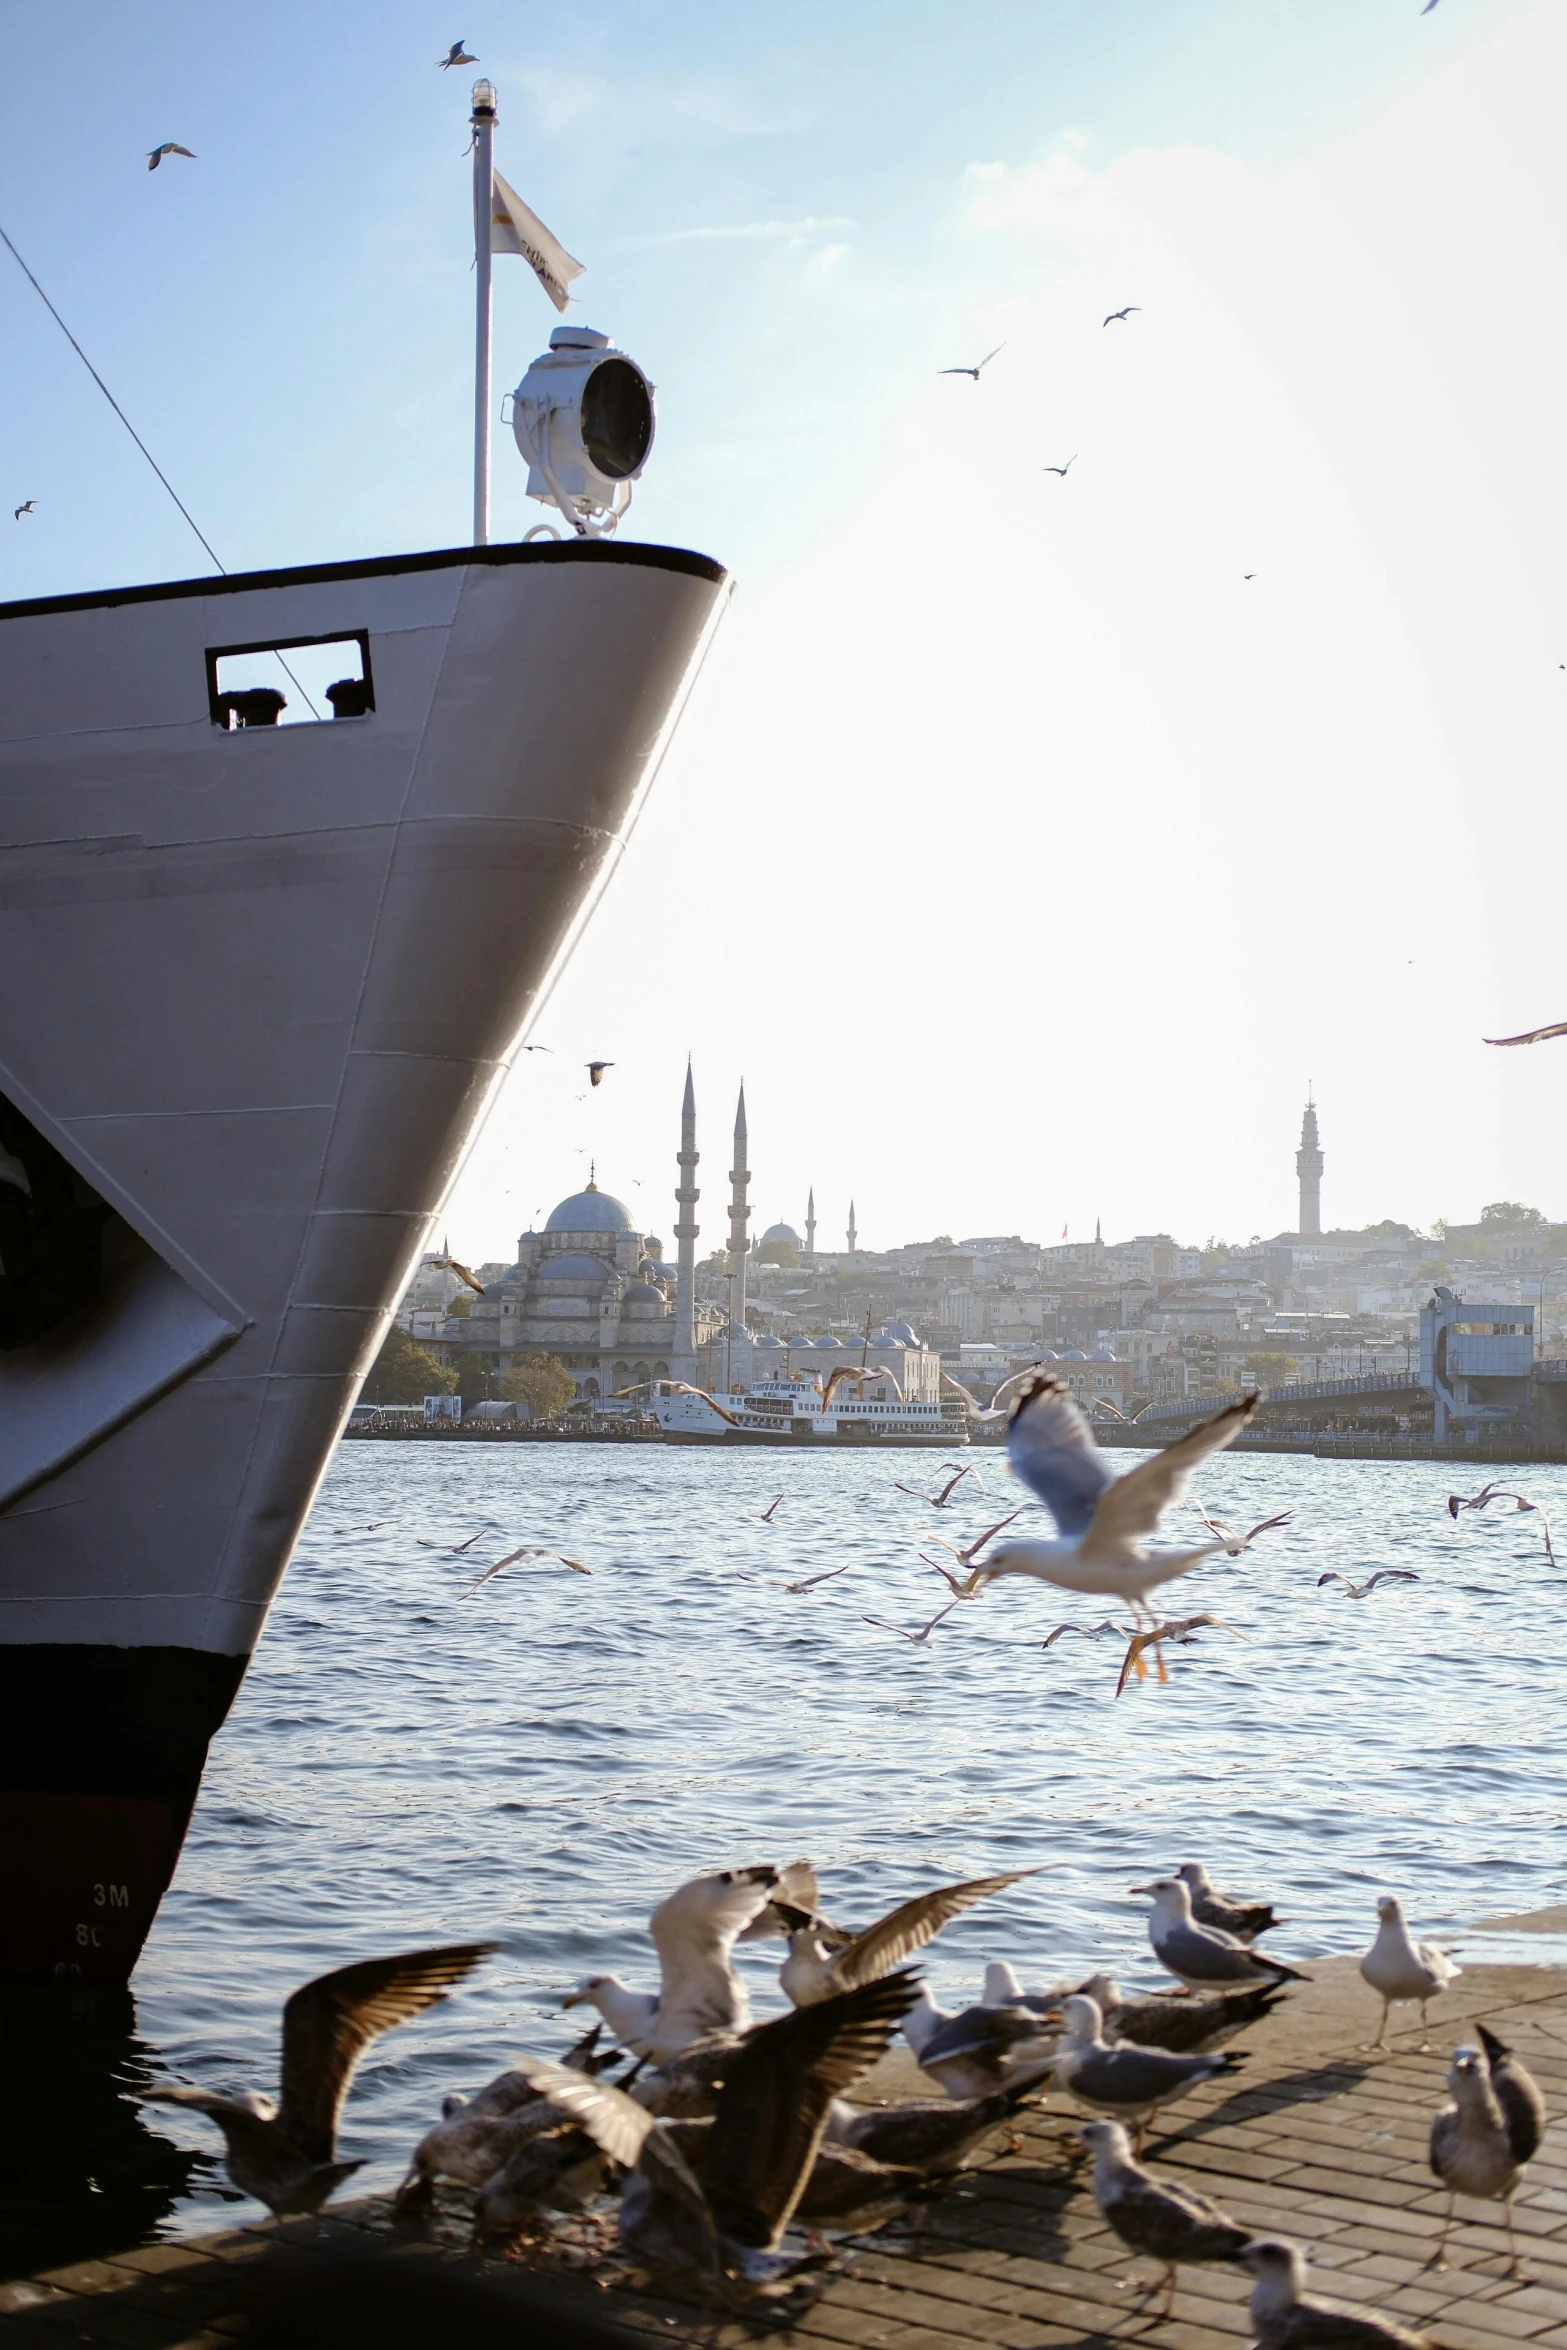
point(1494, 1492)
point(767, 1514)
point(1063, 470)
point(451, 1265)
point(457, 54)
point(526, 1552)
point(1088, 1632)
point(1430, 4)
point(1362, 1590)
point(973, 371)
point(169, 147)
point(1103, 1520)
point(1530, 1035)
point(914, 1639)
point(24, 509)
point(283, 2154)
point(939, 1501)
point(1235, 1543)
point(1126, 313)
point(596, 1071)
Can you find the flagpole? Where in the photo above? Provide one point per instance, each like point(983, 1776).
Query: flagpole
point(483, 206)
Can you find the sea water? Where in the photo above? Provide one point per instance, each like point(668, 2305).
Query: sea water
point(539, 1760)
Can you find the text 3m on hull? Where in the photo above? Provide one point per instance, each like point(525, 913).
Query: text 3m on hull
point(258, 983)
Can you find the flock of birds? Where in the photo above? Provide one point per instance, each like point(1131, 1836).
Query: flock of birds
point(718, 2134)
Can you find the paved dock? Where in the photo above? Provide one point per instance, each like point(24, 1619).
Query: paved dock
point(1313, 2138)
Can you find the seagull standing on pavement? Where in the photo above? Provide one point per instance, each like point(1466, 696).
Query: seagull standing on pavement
point(1400, 1969)
point(1124, 2081)
point(1202, 1957)
point(1160, 2218)
point(1104, 1521)
point(1471, 2149)
point(1244, 1919)
point(1284, 2316)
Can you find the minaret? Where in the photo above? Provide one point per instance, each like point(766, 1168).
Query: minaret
point(686, 1229)
point(1308, 1166)
point(851, 1227)
point(739, 1213)
point(810, 1222)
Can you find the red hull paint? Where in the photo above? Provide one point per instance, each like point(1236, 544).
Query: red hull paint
point(81, 1877)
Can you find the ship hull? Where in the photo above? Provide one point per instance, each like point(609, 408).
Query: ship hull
point(257, 990)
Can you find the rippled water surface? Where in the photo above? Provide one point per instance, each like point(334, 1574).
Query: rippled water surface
point(540, 1762)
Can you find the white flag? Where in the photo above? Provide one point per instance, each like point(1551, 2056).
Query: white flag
point(514, 229)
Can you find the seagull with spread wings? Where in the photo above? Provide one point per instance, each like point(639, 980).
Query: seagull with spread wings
point(25, 508)
point(526, 1551)
point(170, 147)
point(973, 371)
point(918, 1639)
point(285, 2154)
point(812, 1972)
point(1124, 313)
point(941, 1500)
point(457, 54)
point(1363, 1590)
point(1063, 470)
point(1495, 1492)
point(1103, 1520)
point(1531, 1035)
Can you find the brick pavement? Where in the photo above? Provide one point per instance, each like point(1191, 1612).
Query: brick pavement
point(1313, 2139)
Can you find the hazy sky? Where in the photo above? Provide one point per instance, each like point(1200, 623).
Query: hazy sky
point(1024, 856)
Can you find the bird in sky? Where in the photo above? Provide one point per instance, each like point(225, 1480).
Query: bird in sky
point(966, 1556)
point(914, 1639)
point(1063, 470)
point(538, 1048)
point(973, 371)
point(596, 1071)
point(1126, 313)
point(284, 2154)
point(452, 1265)
point(1430, 4)
point(169, 147)
point(1360, 1590)
point(457, 54)
point(1235, 1543)
point(1088, 1631)
point(527, 1551)
point(1494, 1492)
point(1248, 575)
point(25, 508)
point(767, 1514)
point(1531, 1035)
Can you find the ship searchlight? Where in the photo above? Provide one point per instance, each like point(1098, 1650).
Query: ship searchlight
point(583, 418)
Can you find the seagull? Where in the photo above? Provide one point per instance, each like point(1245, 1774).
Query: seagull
point(1494, 1492)
point(929, 2134)
point(727, 2219)
point(995, 1409)
point(980, 2049)
point(1473, 1501)
point(1088, 1631)
point(810, 1973)
point(1285, 2317)
point(476, 2136)
point(457, 54)
point(1063, 470)
point(26, 508)
point(1125, 2081)
point(1518, 2094)
point(1182, 1630)
point(914, 1639)
point(1248, 575)
point(1401, 1970)
point(811, 1581)
point(767, 1514)
point(451, 1265)
point(284, 2154)
point(1126, 313)
point(1244, 1919)
point(596, 1071)
point(1103, 1519)
point(1471, 2149)
point(694, 1931)
point(1363, 1590)
point(966, 1554)
point(1182, 2022)
point(169, 147)
point(1430, 4)
point(939, 1501)
point(454, 1550)
point(527, 1551)
point(534, 1048)
point(558, 2167)
point(973, 371)
point(1530, 1035)
point(1202, 1957)
point(1159, 2218)
point(1233, 1544)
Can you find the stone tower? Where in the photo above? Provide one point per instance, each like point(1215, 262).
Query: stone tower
point(851, 1228)
point(686, 1229)
point(810, 1222)
point(1308, 1166)
point(739, 1214)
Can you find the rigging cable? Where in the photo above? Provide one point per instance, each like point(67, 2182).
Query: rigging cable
point(217, 560)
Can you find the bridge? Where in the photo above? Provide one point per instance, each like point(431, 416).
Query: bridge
point(1321, 1397)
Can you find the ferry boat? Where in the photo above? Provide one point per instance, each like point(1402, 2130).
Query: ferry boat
point(795, 1409)
point(258, 985)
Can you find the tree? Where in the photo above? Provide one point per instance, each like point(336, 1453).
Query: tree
point(541, 1382)
point(474, 1377)
point(1271, 1367)
point(404, 1373)
point(777, 1252)
point(1510, 1212)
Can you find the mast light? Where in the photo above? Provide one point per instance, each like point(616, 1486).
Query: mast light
point(583, 417)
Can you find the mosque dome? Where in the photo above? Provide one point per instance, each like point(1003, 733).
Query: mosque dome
point(574, 1268)
point(783, 1232)
point(642, 1293)
point(767, 1339)
point(1073, 1354)
point(895, 1334)
point(590, 1211)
